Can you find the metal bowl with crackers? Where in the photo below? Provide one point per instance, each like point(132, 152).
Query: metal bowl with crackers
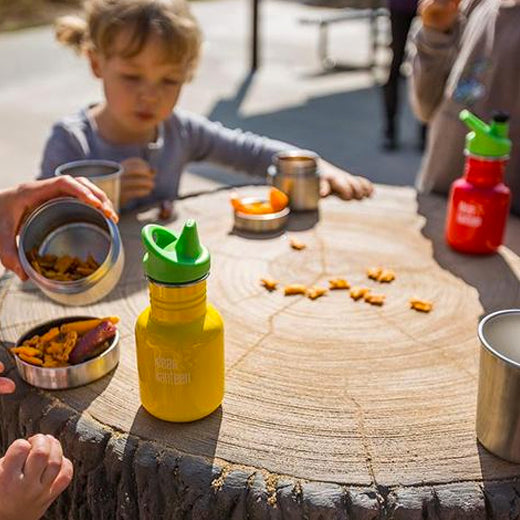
point(71, 251)
point(62, 377)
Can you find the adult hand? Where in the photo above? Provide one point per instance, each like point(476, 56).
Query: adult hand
point(439, 15)
point(32, 474)
point(17, 202)
point(7, 386)
point(343, 184)
point(137, 180)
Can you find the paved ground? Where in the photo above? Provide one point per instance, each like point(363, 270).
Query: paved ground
point(290, 98)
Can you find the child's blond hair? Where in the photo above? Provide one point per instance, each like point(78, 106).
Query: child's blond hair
point(171, 20)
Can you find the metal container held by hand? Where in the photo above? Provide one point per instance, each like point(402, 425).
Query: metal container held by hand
point(73, 375)
point(260, 223)
point(498, 405)
point(66, 226)
point(296, 173)
point(104, 174)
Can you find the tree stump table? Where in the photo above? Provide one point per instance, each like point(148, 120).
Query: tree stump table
point(334, 409)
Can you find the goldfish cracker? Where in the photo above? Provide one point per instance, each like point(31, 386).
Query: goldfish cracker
point(375, 299)
point(356, 293)
point(269, 284)
point(316, 292)
point(421, 305)
point(374, 272)
point(295, 288)
point(338, 284)
point(297, 245)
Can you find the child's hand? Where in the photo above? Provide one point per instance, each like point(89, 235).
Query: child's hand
point(343, 184)
point(7, 386)
point(137, 180)
point(439, 15)
point(32, 475)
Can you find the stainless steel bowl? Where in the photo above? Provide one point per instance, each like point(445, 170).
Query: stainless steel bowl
point(104, 174)
point(67, 226)
point(268, 223)
point(71, 376)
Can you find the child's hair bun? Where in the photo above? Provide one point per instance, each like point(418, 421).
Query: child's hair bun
point(71, 31)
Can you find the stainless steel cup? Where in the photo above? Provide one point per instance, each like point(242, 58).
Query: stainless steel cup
point(66, 226)
point(296, 173)
point(498, 405)
point(104, 174)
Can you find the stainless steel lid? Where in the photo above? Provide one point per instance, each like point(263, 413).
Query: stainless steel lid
point(296, 162)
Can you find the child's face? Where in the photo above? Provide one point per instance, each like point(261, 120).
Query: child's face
point(142, 90)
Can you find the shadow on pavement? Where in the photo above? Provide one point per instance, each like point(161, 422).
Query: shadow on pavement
point(344, 128)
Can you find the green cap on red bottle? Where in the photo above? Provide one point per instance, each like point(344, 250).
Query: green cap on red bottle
point(487, 140)
point(174, 260)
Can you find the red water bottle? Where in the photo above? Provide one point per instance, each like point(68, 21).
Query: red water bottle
point(479, 201)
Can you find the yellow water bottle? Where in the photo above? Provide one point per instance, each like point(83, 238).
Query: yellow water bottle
point(180, 336)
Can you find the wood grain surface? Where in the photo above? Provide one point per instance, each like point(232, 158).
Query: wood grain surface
point(337, 406)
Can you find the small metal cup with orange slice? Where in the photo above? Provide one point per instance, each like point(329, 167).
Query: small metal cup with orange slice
point(258, 215)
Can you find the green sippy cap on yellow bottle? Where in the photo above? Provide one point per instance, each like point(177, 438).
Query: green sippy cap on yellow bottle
point(173, 260)
point(487, 140)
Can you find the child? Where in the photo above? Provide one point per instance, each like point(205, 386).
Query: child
point(17, 202)
point(33, 472)
point(144, 51)
point(467, 57)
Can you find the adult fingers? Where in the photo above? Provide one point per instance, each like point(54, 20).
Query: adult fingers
point(38, 457)
point(63, 185)
point(106, 203)
point(15, 457)
point(9, 257)
point(7, 386)
point(54, 463)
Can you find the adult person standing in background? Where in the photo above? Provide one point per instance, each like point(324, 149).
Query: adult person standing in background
point(402, 13)
point(466, 57)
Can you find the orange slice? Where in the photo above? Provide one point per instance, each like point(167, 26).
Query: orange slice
point(258, 208)
point(237, 203)
point(278, 199)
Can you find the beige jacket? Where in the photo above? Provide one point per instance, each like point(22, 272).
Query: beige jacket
point(476, 66)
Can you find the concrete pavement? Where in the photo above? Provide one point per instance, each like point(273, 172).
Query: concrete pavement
point(290, 98)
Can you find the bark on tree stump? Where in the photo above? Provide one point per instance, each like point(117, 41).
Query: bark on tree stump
point(334, 409)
